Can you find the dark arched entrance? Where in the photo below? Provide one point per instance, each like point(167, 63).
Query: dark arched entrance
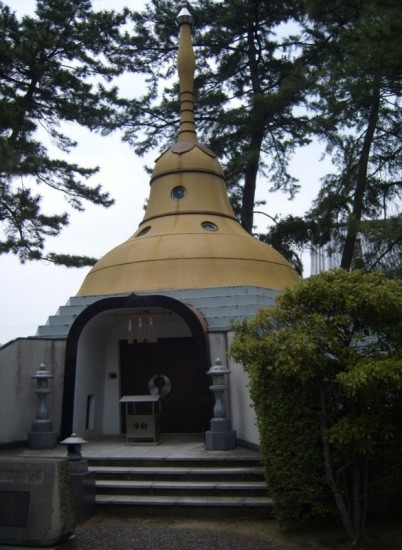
point(188, 355)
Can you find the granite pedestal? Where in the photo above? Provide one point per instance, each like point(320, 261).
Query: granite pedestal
point(42, 435)
point(221, 437)
point(83, 487)
point(36, 502)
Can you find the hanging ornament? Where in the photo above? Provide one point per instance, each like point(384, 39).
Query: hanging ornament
point(152, 339)
point(130, 336)
point(140, 334)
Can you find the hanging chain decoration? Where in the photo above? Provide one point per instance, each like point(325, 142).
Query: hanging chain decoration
point(142, 333)
point(130, 336)
point(152, 339)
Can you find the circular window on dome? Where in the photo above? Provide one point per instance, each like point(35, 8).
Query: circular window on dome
point(144, 231)
point(178, 192)
point(209, 226)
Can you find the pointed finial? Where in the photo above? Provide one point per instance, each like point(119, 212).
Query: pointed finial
point(185, 17)
point(186, 69)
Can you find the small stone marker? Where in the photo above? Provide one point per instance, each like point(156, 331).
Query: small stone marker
point(36, 505)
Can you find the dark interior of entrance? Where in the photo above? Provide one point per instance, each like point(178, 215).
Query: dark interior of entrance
point(173, 358)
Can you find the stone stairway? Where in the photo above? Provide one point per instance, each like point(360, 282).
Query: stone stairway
point(152, 486)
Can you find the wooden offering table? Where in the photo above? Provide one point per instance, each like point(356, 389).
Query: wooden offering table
point(142, 418)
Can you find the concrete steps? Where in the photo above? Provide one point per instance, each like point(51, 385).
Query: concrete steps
point(215, 486)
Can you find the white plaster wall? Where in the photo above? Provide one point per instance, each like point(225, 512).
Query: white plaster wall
point(111, 411)
point(19, 360)
point(90, 377)
point(218, 347)
point(243, 416)
point(239, 407)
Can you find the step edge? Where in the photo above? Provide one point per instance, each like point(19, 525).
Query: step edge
point(183, 501)
point(235, 485)
point(172, 470)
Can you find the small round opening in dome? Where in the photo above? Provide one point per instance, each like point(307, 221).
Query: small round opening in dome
point(209, 226)
point(144, 231)
point(178, 192)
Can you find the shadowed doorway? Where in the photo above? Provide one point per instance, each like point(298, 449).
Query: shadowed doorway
point(184, 360)
point(174, 359)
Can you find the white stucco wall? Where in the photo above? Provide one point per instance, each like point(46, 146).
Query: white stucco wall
point(238, 403)
point(19, 360)
point(243, 416)
point(111, 410)
point(90, 377)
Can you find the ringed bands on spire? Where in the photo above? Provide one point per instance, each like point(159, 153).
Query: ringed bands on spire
point(187, 170)
point(186, 69)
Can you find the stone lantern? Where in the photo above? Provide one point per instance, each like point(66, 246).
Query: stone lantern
point(42, 435)
point(82, 480)
point(73, 443)
point(221, 437)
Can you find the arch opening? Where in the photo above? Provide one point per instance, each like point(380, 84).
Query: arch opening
point(116, 346)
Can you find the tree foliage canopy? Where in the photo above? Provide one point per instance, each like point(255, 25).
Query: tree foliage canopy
point(325, 368)
point(248, 82)
point(357, 106)
point(271, 77)
point(56, 69)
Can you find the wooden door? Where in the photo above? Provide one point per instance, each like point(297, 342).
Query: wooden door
point(175, 359)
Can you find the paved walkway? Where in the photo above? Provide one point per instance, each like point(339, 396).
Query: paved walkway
point(170, 447)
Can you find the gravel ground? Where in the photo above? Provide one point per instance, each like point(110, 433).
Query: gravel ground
point(110, 532)
point(163, 535)
point(131, 536)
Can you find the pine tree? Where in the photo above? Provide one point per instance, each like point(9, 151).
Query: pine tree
point(249, 81)
point(55, 68)
point(358, 107)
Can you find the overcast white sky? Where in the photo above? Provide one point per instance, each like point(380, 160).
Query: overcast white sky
point(34, 291)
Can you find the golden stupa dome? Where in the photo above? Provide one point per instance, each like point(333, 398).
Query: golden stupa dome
point(189, 237)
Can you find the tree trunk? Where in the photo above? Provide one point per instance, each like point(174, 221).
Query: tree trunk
point(257, 126)
point(329, 471)
point(361, 184)
point(356, 500)
point(250, 180)
point(20, 123)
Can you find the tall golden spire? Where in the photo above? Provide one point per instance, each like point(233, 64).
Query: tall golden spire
point(189, 236)
point(186, 68)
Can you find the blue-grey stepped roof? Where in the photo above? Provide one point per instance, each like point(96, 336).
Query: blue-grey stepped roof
point(219, 306)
